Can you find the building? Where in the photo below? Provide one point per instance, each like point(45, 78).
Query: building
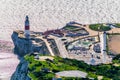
point(97, 48)
point(27, 27)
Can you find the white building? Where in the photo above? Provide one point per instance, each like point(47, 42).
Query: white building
point(103, 40)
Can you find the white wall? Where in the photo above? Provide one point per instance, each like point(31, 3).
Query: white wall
point(103, 38)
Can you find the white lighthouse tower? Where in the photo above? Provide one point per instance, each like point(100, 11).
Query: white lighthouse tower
point(27, 27)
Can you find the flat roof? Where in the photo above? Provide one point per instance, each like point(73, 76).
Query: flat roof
point(72, 73)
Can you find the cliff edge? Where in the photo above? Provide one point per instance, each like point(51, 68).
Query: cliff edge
point(25, 46)
point(30, 45)
point(21, 71)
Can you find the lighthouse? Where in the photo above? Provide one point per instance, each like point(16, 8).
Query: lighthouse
point(27, 27)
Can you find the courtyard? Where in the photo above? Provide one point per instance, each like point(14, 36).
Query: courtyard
point(114, 44)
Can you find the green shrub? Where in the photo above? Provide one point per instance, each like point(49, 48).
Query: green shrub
point(99, 27)
point(60, 64)
point(117, 25)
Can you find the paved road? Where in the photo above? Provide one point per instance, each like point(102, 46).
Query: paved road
point(61, 47)
point(48, 46)
point(114, 30)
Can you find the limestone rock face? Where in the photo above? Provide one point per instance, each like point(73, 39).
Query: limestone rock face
point(25, 46)
point(21, 71)
point(22, 46)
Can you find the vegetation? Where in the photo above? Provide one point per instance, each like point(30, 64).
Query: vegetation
point(99, 27)
point(71, 28)
point(45, 70)
point(117, 25)
point(116, 59)
point(107, 45)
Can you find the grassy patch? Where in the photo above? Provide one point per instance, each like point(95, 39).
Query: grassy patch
point(99, 27)
point(107, 45)
point(117, 25)
point(36, 71)
point(71, 28)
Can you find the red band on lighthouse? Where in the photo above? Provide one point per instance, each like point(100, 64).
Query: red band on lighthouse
point(27, 27)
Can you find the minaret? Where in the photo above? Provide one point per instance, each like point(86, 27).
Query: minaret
point(27, 27)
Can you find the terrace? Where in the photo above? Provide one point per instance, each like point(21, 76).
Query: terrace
point(74, 31)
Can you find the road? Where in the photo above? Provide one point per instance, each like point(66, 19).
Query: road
point(61, 47)
point(48, 45)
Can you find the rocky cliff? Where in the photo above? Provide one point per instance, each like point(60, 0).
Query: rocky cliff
point(21, 71)
point(24, 45)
